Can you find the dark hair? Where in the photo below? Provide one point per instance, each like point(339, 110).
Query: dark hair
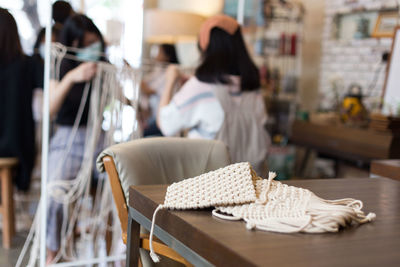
point(55, 31)
point(75, 28)
point(61, 11)
point(227, 55)
point(10, 45)
point(170, 52)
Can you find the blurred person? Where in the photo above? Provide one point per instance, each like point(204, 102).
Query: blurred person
point(62, 10)
point(39, 45)
point(37, 99)
point(80, 33)
point(19, 76)
point(39, 55)
point(222, 101)
point(152, 87)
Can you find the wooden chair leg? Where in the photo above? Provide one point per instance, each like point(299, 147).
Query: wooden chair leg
point(109, 234)
point(132, 257)
point(7, 204)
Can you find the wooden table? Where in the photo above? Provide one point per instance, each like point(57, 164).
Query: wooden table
point(207, 241)
point(386, 168)
point(344, 143)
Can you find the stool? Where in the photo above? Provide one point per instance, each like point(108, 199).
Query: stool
point(7, 202)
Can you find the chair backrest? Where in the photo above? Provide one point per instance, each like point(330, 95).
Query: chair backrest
point(157, 161)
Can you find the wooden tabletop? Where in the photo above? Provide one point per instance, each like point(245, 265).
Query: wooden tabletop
point(346, 142)
point(386, 168)
point(227, 243)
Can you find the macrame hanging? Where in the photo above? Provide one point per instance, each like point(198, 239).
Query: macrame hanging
point(91, 213)
point(237, 193)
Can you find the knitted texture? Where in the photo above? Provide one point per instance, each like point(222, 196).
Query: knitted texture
point(289, 209)
point(230, 185)
point(237, 193)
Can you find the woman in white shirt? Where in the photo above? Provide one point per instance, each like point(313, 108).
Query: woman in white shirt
point(222, 101)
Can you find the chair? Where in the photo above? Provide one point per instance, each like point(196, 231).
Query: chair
point(157, 161)
point(7, 201)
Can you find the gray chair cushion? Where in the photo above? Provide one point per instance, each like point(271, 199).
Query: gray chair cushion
point(164, 160)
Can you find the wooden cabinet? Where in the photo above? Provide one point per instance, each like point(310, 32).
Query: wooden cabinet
point(347, 143)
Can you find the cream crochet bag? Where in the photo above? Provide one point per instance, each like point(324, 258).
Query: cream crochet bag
point(237, 193)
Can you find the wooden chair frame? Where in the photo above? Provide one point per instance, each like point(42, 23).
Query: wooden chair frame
point(122, 209)
point(7, 201)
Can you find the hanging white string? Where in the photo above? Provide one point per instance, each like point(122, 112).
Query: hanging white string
point(105, 93)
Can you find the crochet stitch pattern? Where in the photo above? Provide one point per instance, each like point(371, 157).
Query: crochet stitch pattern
point(231, 185)
point(237, 193)
point(289, 209)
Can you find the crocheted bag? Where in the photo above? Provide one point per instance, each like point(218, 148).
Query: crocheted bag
point(231, 185)
point(237, 193)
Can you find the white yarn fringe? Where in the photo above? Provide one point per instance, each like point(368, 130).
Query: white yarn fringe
point(106, 94)
point(289, 209)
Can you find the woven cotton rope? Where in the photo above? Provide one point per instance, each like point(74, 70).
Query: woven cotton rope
point(237, 193)
point(289, 209)
point(231, 185)
point(81, 207)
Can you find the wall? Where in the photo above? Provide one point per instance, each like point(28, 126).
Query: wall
point(311, 53)
point(354, 60)
point(150, 4)
point(202, 7)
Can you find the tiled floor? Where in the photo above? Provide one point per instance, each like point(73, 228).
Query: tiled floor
point(9, 257)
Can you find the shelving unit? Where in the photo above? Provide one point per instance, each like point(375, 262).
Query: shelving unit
point(277, 50)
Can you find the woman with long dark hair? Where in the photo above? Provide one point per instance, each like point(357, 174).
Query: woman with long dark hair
point(19, 76)
point(86, 44)
point(222, 101)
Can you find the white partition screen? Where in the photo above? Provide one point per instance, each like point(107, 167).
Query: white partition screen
point(391, 98)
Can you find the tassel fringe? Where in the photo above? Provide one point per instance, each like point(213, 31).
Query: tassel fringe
point(320, 216)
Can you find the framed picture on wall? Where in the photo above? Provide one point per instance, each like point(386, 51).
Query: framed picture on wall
point(385, 24)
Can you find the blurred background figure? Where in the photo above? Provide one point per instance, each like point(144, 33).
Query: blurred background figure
point(38, 47)
point(37, 99)
point(153, 86)
point(39, 54)
point(62, 10)
point(17, 135)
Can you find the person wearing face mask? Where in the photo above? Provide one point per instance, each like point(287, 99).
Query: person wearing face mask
point(80, 33)
point(38, 55)
point(38, 47)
